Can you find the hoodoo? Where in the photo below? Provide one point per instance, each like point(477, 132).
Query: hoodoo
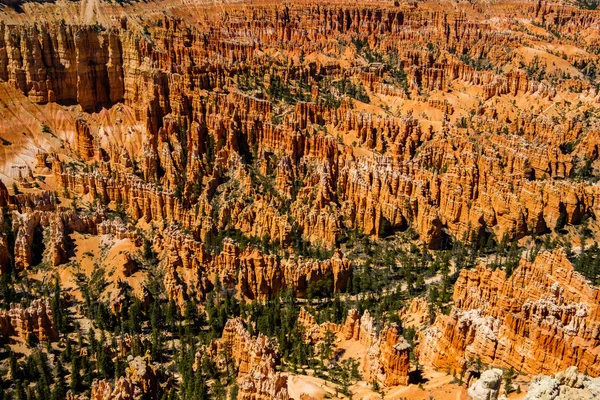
point(300, 200)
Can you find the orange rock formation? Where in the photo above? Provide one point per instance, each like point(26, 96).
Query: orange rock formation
point(36, 320)
point(386, 358)
point(542, 319)
point(255, 360)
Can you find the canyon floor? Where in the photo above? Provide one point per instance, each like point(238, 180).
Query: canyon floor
point(302, 200)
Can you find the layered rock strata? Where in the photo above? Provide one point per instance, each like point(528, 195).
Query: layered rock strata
point(193, 271)
point(457, 174)
point(542, 319)
point(36, 320)
point(255, 359)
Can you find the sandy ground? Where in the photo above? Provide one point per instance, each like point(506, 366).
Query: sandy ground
point(437, 385)
point(551, 63)
point(22, 138)
point(90, 253)
point(317, 388)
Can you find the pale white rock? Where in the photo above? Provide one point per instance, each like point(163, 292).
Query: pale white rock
point(487, 386)
point(564, 385)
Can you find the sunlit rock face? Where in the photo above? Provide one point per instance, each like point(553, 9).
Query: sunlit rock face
point(541, 319)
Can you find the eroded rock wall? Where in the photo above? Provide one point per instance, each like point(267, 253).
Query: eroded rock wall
point(544, 318)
